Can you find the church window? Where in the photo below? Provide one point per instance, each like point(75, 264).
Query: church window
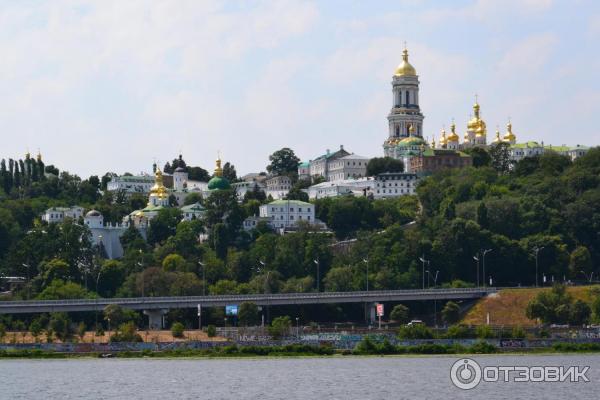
point(397, 130)
point(407, 98)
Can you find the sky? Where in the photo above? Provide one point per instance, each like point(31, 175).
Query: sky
point(108, 85)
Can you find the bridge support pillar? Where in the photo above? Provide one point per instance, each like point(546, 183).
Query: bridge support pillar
point(155, 319)
point(372, 312)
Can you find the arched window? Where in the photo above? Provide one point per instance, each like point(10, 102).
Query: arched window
point(407, 98)
point(397, 130)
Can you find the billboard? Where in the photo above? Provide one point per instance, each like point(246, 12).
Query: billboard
point(231, 310)
point(380, 310)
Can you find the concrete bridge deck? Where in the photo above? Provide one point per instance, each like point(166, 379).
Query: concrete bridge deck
point(165, 303)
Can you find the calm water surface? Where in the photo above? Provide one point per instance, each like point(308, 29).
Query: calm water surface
point(290, 379)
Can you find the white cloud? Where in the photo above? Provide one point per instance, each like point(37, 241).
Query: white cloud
point(529, 55)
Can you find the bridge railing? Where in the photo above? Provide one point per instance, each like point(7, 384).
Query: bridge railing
point(248, 297)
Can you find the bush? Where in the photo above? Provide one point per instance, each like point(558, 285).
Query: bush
point(177, 329)
point(482, 347)
point(280, 326)
point(400, 313)
point(484, 332)
point(518, 333)
point(458, 332)
point(211, 331)
point(126, 333)
point(417, 331)
point(60, 325)
point(451, 312)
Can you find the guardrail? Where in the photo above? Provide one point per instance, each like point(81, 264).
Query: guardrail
point(8, 307)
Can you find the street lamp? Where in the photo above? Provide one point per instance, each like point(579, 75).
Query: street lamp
point(203, 277)
point(536, 251)
point(424, 261)
point(27, 266)
point(316, 261)
point(298, 327)
point(476, 258)
point(367, 264)
point(484, 253)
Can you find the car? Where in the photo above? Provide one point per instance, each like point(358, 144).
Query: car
point(415, 322)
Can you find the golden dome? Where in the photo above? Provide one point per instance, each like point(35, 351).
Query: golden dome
point(476, 124)
point(509, 136)
point(443, 139)
point(159, 188)
point(218, 169)
point(405, 69)
point(453, 137)
point(411, 129)
point(433, 142)
point(497, 138)
point(466, 138)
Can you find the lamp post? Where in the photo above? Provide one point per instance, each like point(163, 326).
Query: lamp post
point(316, 261)
point(435, 277)
point(27, 267)
point(536, 251)
point(298, 327)
point(203, 277)
point(424, 261)
point(476, 258)
point(484, 253)
point(366, 261)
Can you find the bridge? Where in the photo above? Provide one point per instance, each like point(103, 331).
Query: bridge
point(155, 307)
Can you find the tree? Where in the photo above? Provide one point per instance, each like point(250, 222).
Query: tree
point(451, 313)
point(557, 307)
point(378, 165)
point(174, 263)
point(500, 155)
point(60, 325)
point(482, 215)
point(283, 162)
point(61, 290)
point(580, 260)
point(198, 174)
point(163, 225)
point(400, 314)
point(481, 157)
point(229, 172)
point(248, 314)
point(177, 329)
point(126, 332)
point(117, 315)
point(35, 328)
point(416, 331)
point(280, 327)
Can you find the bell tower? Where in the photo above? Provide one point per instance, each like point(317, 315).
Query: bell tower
point(405, 118)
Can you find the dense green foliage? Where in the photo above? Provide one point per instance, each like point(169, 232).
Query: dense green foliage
point(548, 203)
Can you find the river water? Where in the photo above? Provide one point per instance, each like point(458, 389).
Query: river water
point(288, 378)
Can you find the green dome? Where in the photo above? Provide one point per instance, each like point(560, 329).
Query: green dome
point(412, 141)
point(218, 183)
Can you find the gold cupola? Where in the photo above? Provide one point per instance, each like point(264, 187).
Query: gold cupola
point(159, 190)
point(443, 139)
point(497, 139)
point(476, 124)
point(432, 142)
point(218, 168)
point(509, 136)
point(453, 137)
point(405, 69)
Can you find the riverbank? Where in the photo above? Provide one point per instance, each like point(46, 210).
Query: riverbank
point(365, 348)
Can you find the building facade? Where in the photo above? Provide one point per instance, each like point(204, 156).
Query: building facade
point(58, 214)
point(287, 213)
point(278, 186)
point(394, 184)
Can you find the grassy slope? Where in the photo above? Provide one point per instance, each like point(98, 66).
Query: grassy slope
point(507, 307)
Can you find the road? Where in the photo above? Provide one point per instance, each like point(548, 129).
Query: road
point(165, 303)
